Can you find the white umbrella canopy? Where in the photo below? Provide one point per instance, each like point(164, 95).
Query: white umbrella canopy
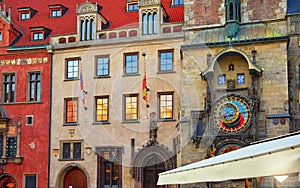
point(277, 156)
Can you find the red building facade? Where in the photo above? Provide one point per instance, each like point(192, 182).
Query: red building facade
point(25, 68)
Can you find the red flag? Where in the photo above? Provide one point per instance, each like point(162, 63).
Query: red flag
point(144, 84)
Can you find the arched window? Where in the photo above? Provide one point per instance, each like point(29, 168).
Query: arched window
point(233, 10)
point(150, 24)
point(144, 27)
point(87, 30)
point(92, 30)
point(155, 23)
point(82, 30)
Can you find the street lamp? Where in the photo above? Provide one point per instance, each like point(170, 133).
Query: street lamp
point(2, 166)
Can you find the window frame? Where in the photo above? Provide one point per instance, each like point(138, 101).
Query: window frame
point(27, 123)
point(132, 67)
point(177, 2)
point(237, 78)
point(27, 15)
point(71, 152)
point(74, 77)
point(223, 82)
point(160, 94)
point(125, 119)
point(97, 121)
point(36, 82)
point(32, 175)
point(134, 6)
point(97, 66)
point(66, 110)
point(10, 83)
point(39, 34)
point(55, 10)
point(160, 52)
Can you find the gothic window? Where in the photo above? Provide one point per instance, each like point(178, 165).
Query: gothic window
point(295, 24)
point(149, 23)
point(87, 29)
point(233, 12)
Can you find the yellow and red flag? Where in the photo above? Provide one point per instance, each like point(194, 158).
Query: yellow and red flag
point(144, 84)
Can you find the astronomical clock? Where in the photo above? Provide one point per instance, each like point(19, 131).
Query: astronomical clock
point(231, 114)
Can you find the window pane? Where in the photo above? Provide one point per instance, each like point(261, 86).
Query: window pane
point(240, 78)
point(102, 66)
point(9, 87)
point(131, 108)
point(144, 24)
point(66, 150)
point(35, 86)
point(72, 69)
point(30, 181)
point(166, 61)
point(71, 111)
point(77, 150)
point(102, 109)
point(11, 145)
point(222, 79)
point(131, 64)
point(166, 106)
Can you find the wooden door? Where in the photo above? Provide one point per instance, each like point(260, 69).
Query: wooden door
point(75, 178)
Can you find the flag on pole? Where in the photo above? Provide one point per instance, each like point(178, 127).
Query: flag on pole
point(144, 84)
point(82, 91)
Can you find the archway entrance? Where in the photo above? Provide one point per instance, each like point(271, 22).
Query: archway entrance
point(8, 182)
point(151, 174)
point(75, 178)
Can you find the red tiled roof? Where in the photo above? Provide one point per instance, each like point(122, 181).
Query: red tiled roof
point(113, 10)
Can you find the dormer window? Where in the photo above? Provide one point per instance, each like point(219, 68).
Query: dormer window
point(177, 2)
point(57, 11)
point(39, 33)
point(149, 23)
point(38, 36)
point(26, 13)
point(132, 7)
point(25, 16)
point(89, 20)
point(0, 36)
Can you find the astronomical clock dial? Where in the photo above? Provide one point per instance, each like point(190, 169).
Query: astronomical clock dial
point(231, 114)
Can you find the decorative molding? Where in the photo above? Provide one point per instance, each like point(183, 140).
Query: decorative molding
point(24, 61)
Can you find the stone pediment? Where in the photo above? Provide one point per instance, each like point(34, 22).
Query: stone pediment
point(87, 7)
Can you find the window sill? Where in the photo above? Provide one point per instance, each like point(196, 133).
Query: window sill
point(130, 121)
point(101, 123)
point(165, 72)
point(70, 124)
point(99, 77)
point(166, 120)
point(81, 159)
point(73, 79)
point(127, 75)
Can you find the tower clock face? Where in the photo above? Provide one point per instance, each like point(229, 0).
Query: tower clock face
point(231, 114)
